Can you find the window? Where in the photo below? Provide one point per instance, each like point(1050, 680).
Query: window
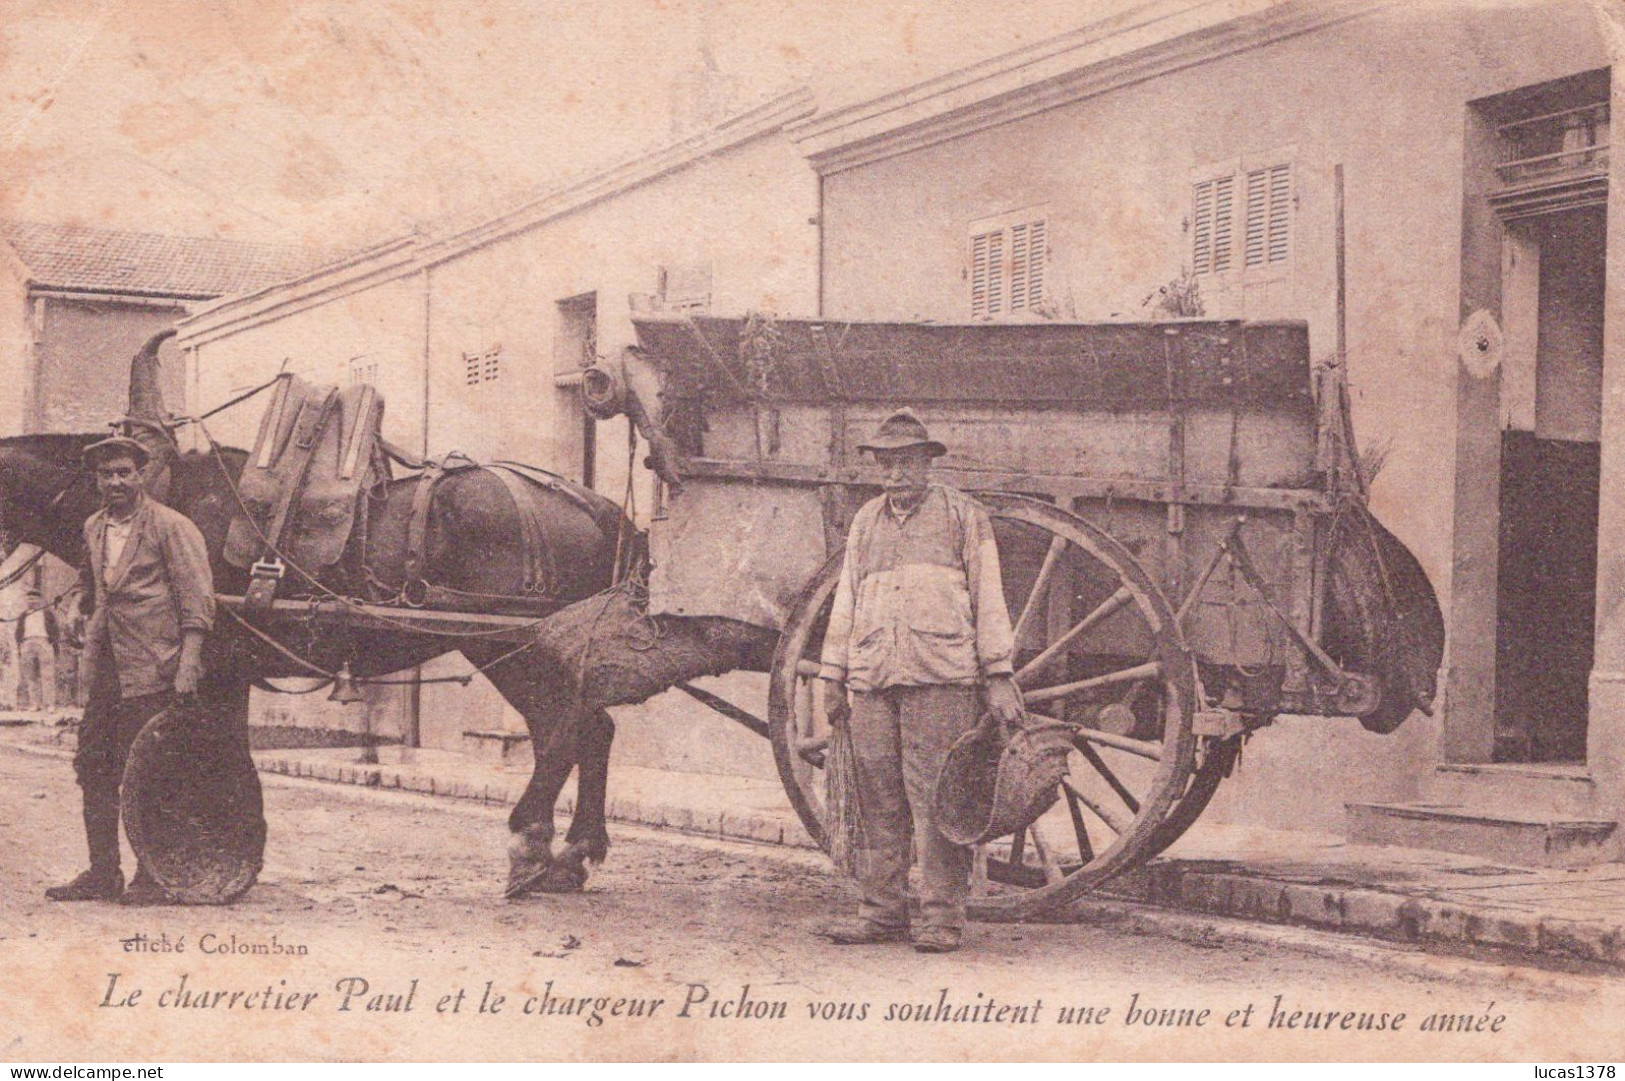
point(1008, 260)
point(485, 367)
point(363, 369)
point(1261, 198)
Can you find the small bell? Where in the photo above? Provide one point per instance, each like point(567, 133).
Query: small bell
point(345, 690)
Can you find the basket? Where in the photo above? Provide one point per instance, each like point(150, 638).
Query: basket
point(993, 784)
point(192, 806)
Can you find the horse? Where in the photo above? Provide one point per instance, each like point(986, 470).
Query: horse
point(472, 546)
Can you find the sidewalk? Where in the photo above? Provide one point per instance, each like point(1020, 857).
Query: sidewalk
point(1433, 900)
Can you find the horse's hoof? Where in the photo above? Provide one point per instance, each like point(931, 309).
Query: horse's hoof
point(562, 878)
point(523, 880)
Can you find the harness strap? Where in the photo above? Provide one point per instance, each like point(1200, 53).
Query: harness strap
point(417, 529)
point(306, 435)
point(541, 576)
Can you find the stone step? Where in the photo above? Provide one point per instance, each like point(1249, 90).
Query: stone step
point(1560, 791)
point(1498, 837)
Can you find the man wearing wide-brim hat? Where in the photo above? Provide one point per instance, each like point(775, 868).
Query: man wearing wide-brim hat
point(919, 636)
point(148, 579)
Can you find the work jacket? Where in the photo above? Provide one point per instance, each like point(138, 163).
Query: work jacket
point(920, 601)
point(160, 586)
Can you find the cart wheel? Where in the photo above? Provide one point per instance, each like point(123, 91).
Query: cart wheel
point(1098, 649)
point(1214, 760)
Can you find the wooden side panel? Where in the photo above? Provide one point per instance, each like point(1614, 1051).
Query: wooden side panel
point(735, 550)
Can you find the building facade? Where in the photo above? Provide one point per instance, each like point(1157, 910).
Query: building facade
point(476, 333)
point(76, 303)
point(1179, 160)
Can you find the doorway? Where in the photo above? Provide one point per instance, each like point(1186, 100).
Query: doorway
point(575, 349)
point(1550, 460)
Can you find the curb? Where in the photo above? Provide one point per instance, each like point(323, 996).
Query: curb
point(701, 823)
point(1202, 887)
point(1411, 919)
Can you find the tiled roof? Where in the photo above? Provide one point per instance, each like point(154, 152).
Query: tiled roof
point(114, 261)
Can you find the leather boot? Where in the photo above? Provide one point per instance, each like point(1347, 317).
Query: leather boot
point(103, 881)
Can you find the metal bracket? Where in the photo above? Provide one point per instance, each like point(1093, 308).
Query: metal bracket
point(264, 577)
point(1218, 723)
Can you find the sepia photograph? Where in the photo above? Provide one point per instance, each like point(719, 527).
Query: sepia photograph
point(724, 531)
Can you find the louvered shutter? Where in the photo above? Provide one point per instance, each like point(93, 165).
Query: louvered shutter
point(1027, 253)
point(1280, 197)
point(1212, 231)
point(987, 274)
point(1202, 229)
point(1223, 215)
point(1269, 215)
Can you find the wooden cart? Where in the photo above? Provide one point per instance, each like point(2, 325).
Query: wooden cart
point(1181, 521)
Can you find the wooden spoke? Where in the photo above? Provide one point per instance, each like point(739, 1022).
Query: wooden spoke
point(1148, 670)
point(804, 708)
point(1119, 825)
point(1092, 756)
point(1083, 581)
point(1106, 607)
point(1051, 557)
point(1143, 748)
point(1046, 855)
point(1086, 851)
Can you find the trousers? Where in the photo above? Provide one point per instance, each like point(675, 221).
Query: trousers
point(106, 734)
point(36, 664)
point(900, 739)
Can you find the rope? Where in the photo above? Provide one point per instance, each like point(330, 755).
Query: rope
point(27, 565)
point(52, 603)
point(243, 397)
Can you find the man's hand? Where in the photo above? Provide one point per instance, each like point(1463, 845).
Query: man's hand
point(836, 707)
point(1004, 700)
point(190, 669)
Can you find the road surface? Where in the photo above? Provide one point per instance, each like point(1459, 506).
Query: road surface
point(378, 931)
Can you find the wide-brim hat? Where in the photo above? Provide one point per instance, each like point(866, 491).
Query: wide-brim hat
point(903, 429)
point(123, 444)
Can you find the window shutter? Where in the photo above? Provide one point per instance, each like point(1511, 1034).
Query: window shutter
point(987, 274)
point(1223, 214)
point(1269, 215)
point(1202, 229)
point(1279, 212)
point(1027, 251)
point(1212, 232)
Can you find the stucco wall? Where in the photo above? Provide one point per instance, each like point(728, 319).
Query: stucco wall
point(1386, 97)
point(378, 329)
point(744, 213)
point(83, 362)
point(16, 350)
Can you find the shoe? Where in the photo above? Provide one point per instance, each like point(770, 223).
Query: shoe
point(92, 885)
point(143, 891)
point(862, 932)
point(938, 940)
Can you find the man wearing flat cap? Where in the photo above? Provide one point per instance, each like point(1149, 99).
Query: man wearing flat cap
point(920, 638)
point(153, 593)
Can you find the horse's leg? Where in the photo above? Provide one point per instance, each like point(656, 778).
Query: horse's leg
point(588, 838)
point(542, 694)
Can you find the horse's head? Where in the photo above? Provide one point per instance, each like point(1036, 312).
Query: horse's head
point(45, 493)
